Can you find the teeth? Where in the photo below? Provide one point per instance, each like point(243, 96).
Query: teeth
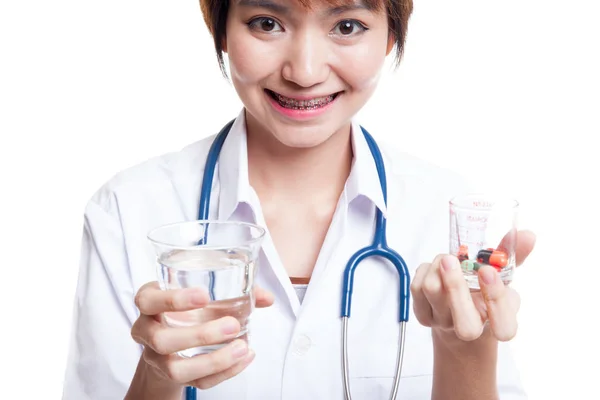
point(303, 104)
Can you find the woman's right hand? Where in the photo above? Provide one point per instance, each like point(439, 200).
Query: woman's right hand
point(162, 342)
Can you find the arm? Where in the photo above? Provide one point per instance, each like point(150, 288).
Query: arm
point(119, 348)
point(464, 370)
point(467, 328)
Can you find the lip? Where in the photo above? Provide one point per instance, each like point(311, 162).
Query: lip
point(301, 114)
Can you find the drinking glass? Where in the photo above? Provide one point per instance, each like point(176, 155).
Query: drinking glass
point(483, 231)
point(217, 256)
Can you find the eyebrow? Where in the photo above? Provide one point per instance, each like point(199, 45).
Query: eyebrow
point(282, 9)
point(349, 7)
point(269, 5)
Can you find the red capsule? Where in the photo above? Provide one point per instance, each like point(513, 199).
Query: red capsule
point(495, 258)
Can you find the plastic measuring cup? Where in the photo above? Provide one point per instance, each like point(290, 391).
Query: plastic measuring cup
point(217, 256)
point(483, 231)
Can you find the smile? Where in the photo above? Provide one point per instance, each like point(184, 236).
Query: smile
point(304, 104)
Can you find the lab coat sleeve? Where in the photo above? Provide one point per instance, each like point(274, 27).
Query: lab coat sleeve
point(102, 355)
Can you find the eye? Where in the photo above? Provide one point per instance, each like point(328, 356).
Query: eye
point(349, 27)
point(265, 24)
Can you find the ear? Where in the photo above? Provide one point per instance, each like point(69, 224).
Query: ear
point(390, 44)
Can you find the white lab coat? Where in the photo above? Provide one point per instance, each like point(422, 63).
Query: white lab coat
point(298, 346)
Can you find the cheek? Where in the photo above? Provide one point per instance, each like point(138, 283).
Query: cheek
point(360, 66)
point(246, 59)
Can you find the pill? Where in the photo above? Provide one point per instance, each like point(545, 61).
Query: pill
point(469, 265)
point(495, 258)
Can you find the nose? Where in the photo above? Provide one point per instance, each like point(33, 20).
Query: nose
point(306, 61)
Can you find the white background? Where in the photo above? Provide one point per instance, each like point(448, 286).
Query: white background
point(506, 92)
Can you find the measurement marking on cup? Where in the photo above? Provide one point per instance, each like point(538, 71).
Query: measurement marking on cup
point(478, 244)
point(467, 242)
point(477, 224)
point(474, 228)
point(482, 203)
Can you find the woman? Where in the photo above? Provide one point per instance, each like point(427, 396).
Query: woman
point(295, 162)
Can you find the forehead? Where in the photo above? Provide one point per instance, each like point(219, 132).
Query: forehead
point(372, 5)
point(369, 4)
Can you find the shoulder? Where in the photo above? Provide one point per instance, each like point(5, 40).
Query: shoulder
point(152, 174)
point(419, 192)
point(418, 171)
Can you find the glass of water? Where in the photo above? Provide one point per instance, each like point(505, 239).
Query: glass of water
point(483, 231)
point(217, 256)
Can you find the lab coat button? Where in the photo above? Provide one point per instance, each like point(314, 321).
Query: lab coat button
point(302, 345)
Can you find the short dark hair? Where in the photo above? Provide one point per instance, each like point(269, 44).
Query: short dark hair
point(398, 11)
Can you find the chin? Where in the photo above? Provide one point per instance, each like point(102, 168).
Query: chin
point(304, 137)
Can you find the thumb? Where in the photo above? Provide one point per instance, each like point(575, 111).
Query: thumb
point(263, 297)
point(502, 303)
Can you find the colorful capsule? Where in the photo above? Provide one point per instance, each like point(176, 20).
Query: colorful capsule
point(469, 265)
point(495, 258)
point(463, 252)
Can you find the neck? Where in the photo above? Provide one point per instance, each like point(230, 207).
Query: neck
point(299, 175)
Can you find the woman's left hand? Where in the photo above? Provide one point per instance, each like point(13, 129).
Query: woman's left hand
point(443, 301)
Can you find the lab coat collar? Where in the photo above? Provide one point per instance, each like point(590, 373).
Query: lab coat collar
point(363, 179)
point(233, 170)
point(235, 184)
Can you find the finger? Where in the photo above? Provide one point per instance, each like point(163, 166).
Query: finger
point(143, 328)
point(524, 244)
point(263, 297)
point(151, 300)
point(479, 304)
point(168, 340)
point(421, 306)
point(502, 303)
point(467, 321)
point(434, 292)
point(183, 370)
point(215, 379)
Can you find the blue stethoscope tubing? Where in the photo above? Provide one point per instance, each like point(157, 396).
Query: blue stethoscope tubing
point(379, 248)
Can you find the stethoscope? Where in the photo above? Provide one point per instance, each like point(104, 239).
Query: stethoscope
point(378, 248)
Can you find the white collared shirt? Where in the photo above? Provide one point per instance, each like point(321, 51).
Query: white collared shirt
point(297, 345)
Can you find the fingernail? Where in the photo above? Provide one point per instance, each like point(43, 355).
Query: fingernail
point(488, 275)
point(240, 349)
point(229, 327)
point(449, 263)
point(249, 357)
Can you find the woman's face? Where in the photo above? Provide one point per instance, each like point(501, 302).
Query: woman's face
point(301, 73)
